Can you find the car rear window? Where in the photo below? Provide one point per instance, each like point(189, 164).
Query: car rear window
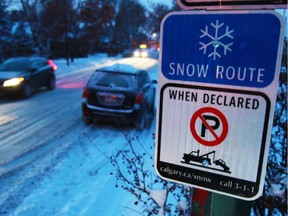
point(113, 80)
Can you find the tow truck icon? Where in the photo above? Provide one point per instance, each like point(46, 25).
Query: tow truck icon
point(205, 160)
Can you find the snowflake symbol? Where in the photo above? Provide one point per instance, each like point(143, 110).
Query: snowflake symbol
point(216, 42)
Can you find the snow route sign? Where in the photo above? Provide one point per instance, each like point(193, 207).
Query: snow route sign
point(218, 81)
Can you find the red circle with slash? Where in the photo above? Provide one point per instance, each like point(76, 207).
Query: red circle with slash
point(199, 114)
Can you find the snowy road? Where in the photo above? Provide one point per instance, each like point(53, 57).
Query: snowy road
point(53, 164)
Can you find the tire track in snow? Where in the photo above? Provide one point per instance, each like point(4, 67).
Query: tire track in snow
point(41, 117)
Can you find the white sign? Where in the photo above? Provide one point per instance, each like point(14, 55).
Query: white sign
point(217, 91)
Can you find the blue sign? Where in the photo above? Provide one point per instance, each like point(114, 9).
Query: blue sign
point(238, 49)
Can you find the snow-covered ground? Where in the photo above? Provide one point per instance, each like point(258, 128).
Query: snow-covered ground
point(81, 184)
point(82, 64)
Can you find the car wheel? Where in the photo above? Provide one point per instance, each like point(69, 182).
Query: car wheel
point(87, 120)
point(187, 160)
point(52, 83)
point(153, 109)
point(150, 115)
point(141, 124)
point(205, 163)
point(27, 91)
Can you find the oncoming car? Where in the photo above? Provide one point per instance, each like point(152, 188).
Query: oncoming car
point(23, 75)
point(119, 93)
point(143, 53)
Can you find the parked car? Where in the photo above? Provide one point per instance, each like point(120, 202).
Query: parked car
point(23, 75)
point(120, 93)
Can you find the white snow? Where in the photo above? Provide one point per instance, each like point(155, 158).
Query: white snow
point(159, 196)
point(82, 64)
point(277, 190)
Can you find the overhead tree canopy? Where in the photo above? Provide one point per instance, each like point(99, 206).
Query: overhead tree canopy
point(129, 20)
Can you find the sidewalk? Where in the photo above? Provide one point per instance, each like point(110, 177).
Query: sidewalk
point(82, 64)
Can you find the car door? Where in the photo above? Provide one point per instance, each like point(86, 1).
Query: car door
point(39, 72)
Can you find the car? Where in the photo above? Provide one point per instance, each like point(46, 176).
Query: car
point(127, 53)
point(119, 92)
point(24, 75)
point(140, 53)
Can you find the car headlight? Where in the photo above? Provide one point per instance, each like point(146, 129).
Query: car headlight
point(13, 82)
point(144, 54)
point(136, 54)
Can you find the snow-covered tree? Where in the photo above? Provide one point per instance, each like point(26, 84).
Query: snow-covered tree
point(129, 22)
point(22, 40)
point(97, 17)
point(5, 32)
point(32, 10)
point(156, 14)
point(274, 198)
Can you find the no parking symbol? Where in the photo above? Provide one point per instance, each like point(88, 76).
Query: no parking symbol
point(212, 120)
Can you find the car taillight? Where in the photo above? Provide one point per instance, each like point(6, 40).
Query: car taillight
point(52, 64)
point(139, 98)
point(85, 93)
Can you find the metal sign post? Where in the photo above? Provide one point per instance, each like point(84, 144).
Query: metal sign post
point(217, 88)
point(206, 203)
